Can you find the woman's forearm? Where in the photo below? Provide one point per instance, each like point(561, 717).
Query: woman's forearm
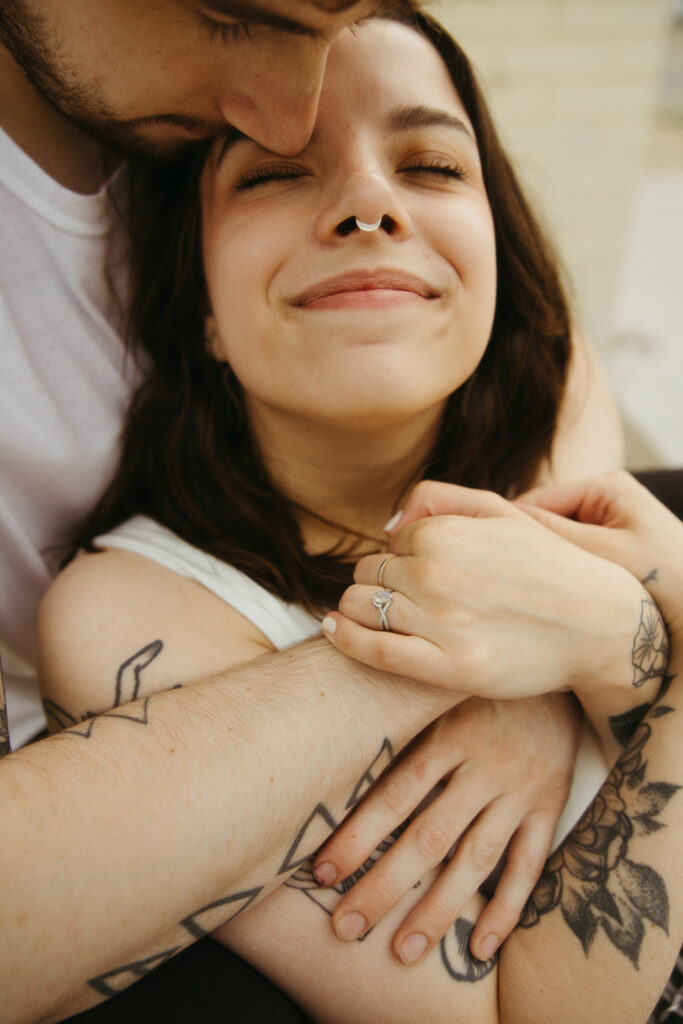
point(600, 936)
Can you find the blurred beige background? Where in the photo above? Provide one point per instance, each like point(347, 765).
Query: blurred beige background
point(588, 96)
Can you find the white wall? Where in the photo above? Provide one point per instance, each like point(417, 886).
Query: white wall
point(588, 97)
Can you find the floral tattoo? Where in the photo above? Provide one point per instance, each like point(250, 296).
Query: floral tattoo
point(591, 876)
point(650, 655)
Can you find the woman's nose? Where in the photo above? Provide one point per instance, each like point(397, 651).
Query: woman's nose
point(364, 202)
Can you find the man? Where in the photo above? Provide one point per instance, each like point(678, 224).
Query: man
point(81, 83)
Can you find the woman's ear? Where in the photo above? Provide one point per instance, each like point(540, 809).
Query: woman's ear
point(212, 339)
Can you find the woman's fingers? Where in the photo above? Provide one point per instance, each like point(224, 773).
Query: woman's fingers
point(525, 858)
point(409, 656)
point(433, 498)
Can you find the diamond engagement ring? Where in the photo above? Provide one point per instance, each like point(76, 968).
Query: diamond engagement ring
point(381, 600)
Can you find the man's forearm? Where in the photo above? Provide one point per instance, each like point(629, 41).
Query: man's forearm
point(133, 833)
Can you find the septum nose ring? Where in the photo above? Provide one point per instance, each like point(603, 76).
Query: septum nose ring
point(364, 226)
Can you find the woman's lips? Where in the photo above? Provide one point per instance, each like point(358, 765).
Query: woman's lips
point(365, 289)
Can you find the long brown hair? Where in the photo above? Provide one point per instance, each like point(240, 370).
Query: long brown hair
point(188, 459)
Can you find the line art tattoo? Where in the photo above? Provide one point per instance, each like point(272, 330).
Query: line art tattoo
point(128, 683)
point(112, 982)
point(650, 655)
point(239, 901)
point(456, 957)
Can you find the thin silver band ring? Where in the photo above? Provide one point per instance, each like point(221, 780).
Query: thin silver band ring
point(382, 566)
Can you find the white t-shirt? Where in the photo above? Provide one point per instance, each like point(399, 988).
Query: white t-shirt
point(64, 387)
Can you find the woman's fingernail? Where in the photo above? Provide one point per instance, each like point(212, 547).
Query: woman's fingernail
point(393, 521)
point(487, 947)
point(413, 948)
point(329, 625)
point(325, 874)
point(350, 927)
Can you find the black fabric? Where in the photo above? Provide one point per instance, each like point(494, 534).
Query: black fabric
point(205, 984)
point(667, 485)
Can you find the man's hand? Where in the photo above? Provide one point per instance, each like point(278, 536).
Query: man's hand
point(502, 773)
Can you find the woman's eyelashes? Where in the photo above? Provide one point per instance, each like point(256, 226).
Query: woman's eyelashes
point(434, 168)
point(269, 173)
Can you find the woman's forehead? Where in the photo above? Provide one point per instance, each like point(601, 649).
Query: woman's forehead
point(384, 72)
point(382, 63)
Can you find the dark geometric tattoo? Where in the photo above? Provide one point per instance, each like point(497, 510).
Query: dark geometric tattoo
point(650, 655)
point(4, 726)
point(651, 577)
point(378, 766)
point(327, 897)
point(112, 982)
point(238, 902)
point(128, 676)
point(591, 878)
point(311, 826)
point(294, 857)
point(456, 956)
point(126, 691)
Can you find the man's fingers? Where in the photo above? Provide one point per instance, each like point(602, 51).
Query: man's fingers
point(526, 856)
point(477, 855)
point(424, 845)
point(390, 802)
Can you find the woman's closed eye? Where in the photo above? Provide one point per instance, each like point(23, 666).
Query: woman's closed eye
point(437, 168)
point(267, 173)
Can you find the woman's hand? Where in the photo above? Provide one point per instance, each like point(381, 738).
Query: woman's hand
point(615, 517)
point(505, 772)
point(488, 602)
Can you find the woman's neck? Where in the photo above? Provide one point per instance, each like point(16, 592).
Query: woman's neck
point(346, 481)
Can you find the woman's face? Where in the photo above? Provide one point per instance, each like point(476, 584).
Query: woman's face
point(325, 322)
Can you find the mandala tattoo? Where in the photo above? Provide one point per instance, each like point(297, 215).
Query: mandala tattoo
point(4, 727)
point(650, 655)
point(591, 877)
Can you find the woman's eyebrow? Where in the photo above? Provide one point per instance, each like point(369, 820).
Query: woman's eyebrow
point(403, 118)
point(232, 136)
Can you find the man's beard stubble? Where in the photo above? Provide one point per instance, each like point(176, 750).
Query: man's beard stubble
point(23, 34)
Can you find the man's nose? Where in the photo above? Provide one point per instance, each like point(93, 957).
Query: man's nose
point(278, 107)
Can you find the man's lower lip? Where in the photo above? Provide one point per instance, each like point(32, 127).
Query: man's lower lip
point(368, 298)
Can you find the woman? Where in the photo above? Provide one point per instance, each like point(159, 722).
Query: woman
point(378, 307)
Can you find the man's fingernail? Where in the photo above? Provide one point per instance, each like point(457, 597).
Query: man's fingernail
point(329, 625)
point(413, 948)
point(325, 874)
point(487, 947)
point(393, 521)
point(350, 927)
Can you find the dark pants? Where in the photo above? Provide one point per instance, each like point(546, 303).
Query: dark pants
point(208, 985)
point(205, 984)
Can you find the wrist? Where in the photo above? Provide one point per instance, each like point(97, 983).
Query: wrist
point(633, 659)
